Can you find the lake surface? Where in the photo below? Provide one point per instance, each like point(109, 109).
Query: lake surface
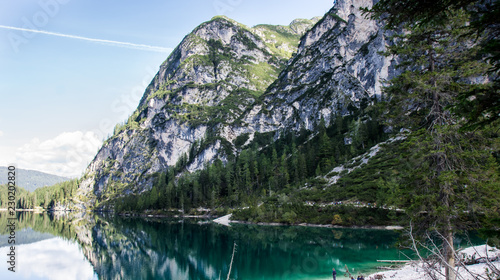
point(83, 246)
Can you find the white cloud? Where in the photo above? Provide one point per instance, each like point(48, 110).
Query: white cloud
point(1, 133)
point(67, 154)
point(53, 259)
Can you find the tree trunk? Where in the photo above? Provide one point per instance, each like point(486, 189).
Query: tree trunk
point(449, 254)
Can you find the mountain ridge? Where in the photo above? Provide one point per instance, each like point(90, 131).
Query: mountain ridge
point(195, 79)
point(224, 82)
point(31, 180)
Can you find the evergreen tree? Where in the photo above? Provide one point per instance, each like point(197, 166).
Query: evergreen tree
point(228, 178)
point(197, 194)
point(446, 169)
point(169, 194)
point(255, 174)
point(264, 167)
point(46, 200)
point(274, 182)
point(153, 197)
point(294, 167)
point(34, 200)
point(325, 151)
point(283, 171)
point(247, 178)
point(302, 168)
point(480, 105)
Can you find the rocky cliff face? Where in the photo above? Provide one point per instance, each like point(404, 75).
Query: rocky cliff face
point(337, 65)
point(225, 80)
point(209, 80)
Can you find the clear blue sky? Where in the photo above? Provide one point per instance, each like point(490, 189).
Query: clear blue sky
point(60, 96)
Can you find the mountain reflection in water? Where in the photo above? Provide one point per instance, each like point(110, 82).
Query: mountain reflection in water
point(113, 247)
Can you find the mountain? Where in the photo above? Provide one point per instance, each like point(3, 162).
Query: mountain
point(227, 84)
point(30, 180)
point(25, 236)
point(337, 65)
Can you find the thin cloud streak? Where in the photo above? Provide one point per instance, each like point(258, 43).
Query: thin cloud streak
point(116, 43)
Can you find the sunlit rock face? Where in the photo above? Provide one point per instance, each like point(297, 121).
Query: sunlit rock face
point(225, 80)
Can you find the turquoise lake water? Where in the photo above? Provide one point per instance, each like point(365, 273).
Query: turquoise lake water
point(96, 247)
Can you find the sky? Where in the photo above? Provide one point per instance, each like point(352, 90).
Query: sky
point(54, 259)
point(70, 70)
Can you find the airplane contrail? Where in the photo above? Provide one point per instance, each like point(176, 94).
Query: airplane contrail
point(117, 43)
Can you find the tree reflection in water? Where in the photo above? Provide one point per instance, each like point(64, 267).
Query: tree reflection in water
point(161, 248)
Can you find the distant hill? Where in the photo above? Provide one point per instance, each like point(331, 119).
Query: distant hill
point(30, 179)
point(26, 236)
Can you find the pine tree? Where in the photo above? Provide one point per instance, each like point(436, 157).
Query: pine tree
point(325, 151)
point(46, 200)
point(247, 178)
point(446, 169)
point(255, 175)
point(264, 168)
point(168, 200)
point(302, 167)
point(228, 179)
point(480, 105)
point(294, 167)
point(283, 170)
point(275, 164)
point(34, 200)
point(153, 197)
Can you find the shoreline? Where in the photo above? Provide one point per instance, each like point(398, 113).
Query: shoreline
point(413, 270)
point(211, 218)
point(391, 227)
point(483, 256)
